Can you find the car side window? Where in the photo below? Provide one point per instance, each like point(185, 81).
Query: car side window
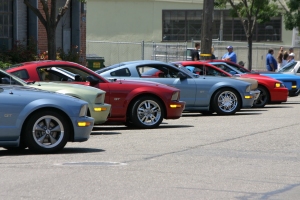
point(49, 75)
point(22, 74)
point(121, 72)
point(157, 71)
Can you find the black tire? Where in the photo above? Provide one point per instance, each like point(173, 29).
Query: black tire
point(262, 99)
point(52, 127)
point(129, 124)
point(226, 101)
point(140, 114)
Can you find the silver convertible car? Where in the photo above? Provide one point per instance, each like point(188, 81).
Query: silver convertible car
point(291, 68)
point(203, 94)
point(40, 120)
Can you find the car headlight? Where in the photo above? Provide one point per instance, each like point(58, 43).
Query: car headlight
point(248, 88)
point(83, 110)
point(279, 85)
point(175, 96)
point(100, 98)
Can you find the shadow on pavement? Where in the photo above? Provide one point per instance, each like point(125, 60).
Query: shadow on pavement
point(66, 150)
point(269, 106)
point(109, 128)
point(104, 133)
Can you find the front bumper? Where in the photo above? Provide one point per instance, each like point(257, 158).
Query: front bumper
point(174, 109)
point(279, 94)
point(294, 92)
point(100, 112)
point(249, 98)
point(82, 133)
point(255, 94)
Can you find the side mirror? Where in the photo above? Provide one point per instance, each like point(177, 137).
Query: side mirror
point(232, 72)
point(92, 79)
point(181, 75)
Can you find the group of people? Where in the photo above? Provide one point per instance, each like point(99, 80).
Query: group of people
point(283, 58)
point(230, 55)
point(272, 64)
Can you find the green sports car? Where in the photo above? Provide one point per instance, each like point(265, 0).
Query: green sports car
point(94, 96)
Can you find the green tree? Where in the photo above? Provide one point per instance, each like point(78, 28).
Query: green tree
point(292, 14)
point(250, 12)
point(50, 18)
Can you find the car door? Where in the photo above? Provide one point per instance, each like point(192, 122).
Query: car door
point(9, 113)
point(169, 75)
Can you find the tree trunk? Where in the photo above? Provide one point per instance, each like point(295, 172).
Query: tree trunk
point(206, 32)
point(51, 36)
point(249, 40)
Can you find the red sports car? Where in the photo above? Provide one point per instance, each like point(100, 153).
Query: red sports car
point(135, 103)
point(271, 90)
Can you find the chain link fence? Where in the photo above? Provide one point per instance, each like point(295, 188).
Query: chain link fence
point(115, 52)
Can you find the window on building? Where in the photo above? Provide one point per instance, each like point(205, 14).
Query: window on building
point(6, 24)
point(185, 25)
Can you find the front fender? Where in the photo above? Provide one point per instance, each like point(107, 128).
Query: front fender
point(43, 103)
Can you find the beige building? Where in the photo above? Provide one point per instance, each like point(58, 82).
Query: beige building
point(170, 21)
point(111, 23)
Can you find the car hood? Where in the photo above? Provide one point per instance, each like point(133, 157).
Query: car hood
point(254, 83)
point(282, 76)
point(30, 93)
point(55, 87)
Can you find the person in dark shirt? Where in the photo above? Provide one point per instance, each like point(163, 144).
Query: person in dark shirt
point(271, 62)
point(212, 54)
point(195, 52)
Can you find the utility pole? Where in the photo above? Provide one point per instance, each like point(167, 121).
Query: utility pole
point(206, 30)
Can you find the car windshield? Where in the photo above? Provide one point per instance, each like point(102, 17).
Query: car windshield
point(240, 69)
point(185, 70)
point(15, 78)
point(288, 67)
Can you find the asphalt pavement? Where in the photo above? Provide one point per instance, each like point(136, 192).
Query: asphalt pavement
point(254, 154)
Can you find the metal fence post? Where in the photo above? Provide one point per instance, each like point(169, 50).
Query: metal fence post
point(143, 50)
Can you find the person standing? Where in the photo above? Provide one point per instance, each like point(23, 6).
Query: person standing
point(291, 50)
point(285, 59)
point(195, 52)
point(230, 55)
point(279, 60)
point(212, 54)
point(271, 62)
point(291, 57)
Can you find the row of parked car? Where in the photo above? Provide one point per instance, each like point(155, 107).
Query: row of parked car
point(45, 104)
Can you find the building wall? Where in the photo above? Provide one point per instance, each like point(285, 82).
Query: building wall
point(130, 20)
point(21, 34)
point(138, 20)
point(83, 38)
point(42, 34)
point(63, 31)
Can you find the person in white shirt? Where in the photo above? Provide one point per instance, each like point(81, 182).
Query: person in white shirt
point(285, 59)
point(291, 57)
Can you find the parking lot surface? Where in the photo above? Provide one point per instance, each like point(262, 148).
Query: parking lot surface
point(254, 154)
